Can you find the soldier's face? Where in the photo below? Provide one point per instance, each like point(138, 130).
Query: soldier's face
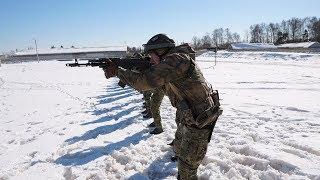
point(154, 58)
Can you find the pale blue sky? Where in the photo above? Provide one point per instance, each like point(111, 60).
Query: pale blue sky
point(133, 22)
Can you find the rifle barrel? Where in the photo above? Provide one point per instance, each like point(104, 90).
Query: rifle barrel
point(126, 63)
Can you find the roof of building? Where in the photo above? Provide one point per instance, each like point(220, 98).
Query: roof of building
point(252, 46)
point(72, 50)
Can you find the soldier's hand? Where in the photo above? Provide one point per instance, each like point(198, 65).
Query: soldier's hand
point(111, 70)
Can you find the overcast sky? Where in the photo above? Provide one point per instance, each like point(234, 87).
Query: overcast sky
point(86, 23)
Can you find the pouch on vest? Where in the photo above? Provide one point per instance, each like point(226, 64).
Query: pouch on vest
point(186, 114)
point(210, 115)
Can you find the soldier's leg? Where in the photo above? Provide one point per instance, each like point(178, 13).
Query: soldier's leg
point(193, 148)
point(156, 100)
point(147, 100)
point(178, 135)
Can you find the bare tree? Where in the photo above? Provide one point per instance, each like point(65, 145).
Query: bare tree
point(284, 28)
point(264, 33)
point(256, 33)
point(228, 36)
point(310, 27)
point(220, 36)
point(206, 41)
point(316, 30)
point(196, 42)
point(246, 36)
point(295, 25)
point(215, 37)
point(236, 37)
point(274, 28)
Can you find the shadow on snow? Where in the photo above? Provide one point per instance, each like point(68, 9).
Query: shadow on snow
point(106, 129)
point(107, 110)
point(160, 168)
point(90, 154)
point(103, 130)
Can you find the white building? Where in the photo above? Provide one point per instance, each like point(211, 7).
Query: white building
point(70, 53)
point(252, 46)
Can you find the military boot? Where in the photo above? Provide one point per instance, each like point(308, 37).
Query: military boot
point(145, 111)
point(185, 172)
point(148, 115)
point(157, 131)
point(152, 125)
point(174, 158)
point(171, 143)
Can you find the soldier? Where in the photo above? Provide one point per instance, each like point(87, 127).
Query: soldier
point(197, 104)
point(152, 101)
point(146, 94)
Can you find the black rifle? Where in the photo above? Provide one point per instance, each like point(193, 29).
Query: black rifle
point(139, 64)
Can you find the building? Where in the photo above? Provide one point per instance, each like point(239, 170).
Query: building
point(252, 46)
point(69, 53)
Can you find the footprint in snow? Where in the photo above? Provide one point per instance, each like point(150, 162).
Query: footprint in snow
point(296, 109)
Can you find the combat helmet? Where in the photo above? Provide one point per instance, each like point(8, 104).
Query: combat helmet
point(159, 41)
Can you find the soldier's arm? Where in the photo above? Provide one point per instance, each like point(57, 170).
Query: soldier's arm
point(174, 67)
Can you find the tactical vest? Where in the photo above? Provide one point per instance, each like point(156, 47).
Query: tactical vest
point(204, 113)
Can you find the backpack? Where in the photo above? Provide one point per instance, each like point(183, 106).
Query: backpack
point(185, 48)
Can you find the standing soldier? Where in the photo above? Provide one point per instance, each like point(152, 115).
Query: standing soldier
point(152, 101)
point(197, 104)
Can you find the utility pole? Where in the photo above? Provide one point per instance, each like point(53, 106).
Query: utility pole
point(215, 54)
point(35, 42)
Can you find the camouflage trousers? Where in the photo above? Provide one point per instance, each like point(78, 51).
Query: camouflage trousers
point(147, 99)
point(190, 146)
point(156, 99)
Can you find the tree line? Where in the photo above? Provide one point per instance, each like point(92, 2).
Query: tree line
point(218, 38)
point(287, 31)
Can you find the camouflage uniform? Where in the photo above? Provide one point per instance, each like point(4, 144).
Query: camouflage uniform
point(180, 76)
point(156, 99)
point(147, 100)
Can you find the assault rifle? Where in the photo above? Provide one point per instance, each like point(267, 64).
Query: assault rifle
point(138, 64)
point(125, 63)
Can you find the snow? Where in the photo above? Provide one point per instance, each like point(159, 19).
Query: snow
point(59, 122)
point(252, 46)
point(72, 50)
point(300, 45)
point(257, 56)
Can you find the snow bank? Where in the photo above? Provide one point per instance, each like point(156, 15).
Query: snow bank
point(300, 45)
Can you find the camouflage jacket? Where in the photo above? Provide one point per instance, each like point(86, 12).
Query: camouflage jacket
point(179, 69)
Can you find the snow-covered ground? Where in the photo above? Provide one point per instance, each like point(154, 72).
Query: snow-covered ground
point(300, 45)
point(72, 123)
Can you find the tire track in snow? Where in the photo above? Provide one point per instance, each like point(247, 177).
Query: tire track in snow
point(1, 82)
